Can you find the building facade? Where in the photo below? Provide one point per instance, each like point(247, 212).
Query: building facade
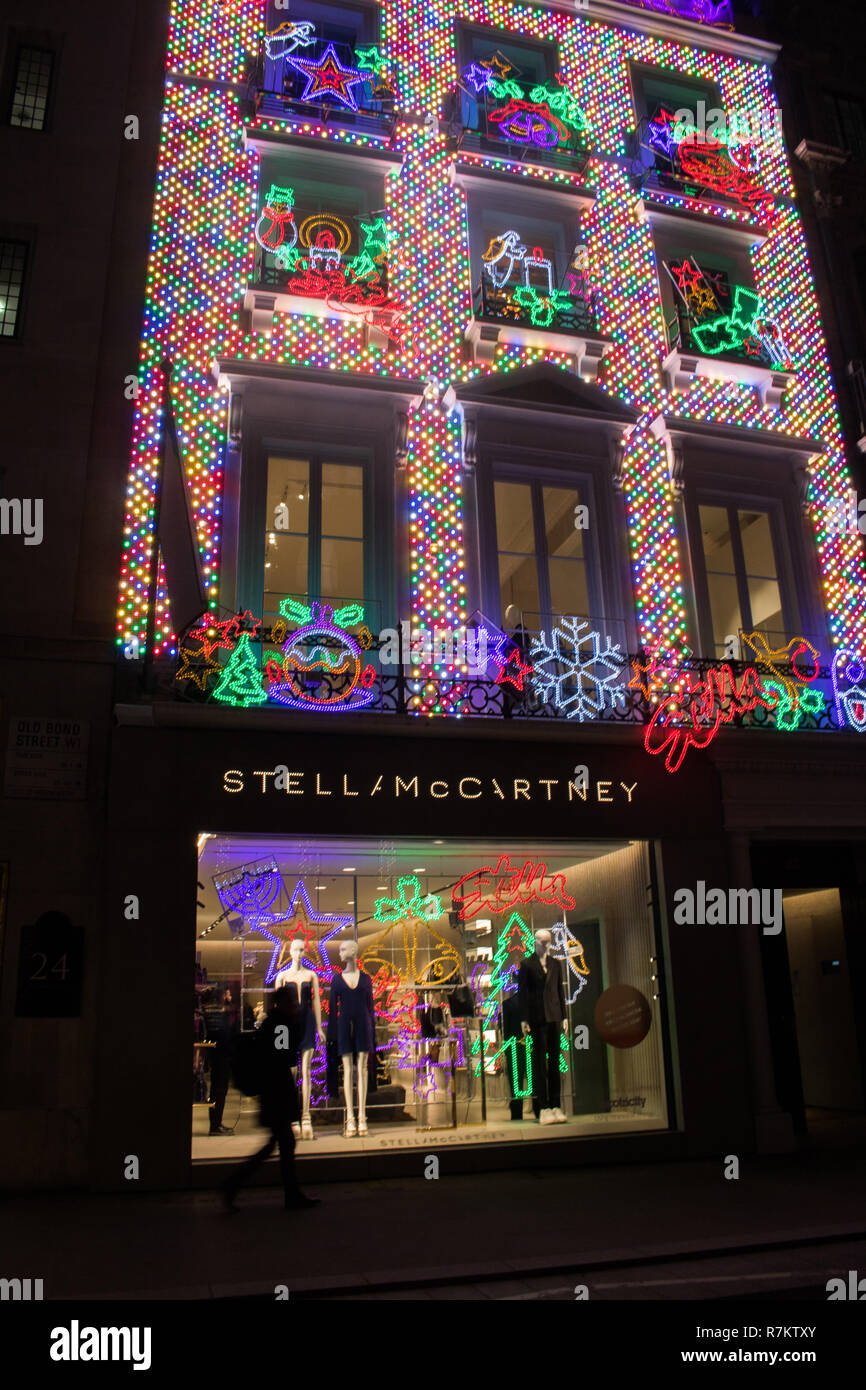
point(518, 480)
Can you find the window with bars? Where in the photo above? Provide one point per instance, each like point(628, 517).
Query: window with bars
point(31, 87)
point(13, 266)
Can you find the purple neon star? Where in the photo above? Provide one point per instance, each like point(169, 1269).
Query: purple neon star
point(336, 921)
point(326, 76)
point(482, 78)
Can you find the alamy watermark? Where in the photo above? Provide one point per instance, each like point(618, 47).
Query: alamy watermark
point(22, 517)
point(718, 907)
point(760, 126)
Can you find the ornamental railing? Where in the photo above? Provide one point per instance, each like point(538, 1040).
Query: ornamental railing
point(515, 120)
point(318, 281)
point(314, 670)
point(531, 307)
point(323, 83)
point(680, 333)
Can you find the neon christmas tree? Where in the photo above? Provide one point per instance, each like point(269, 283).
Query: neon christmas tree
point(241, 680)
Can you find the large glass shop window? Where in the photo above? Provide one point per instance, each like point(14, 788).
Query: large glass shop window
point(453, 947)
point(314, 536)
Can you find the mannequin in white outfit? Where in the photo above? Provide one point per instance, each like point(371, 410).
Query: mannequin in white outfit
point(298, 975)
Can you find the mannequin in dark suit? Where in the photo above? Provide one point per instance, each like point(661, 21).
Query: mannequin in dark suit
point(542, 1015)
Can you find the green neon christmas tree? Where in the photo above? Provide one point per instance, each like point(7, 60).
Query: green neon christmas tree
point(515, 939)
point(241, 680)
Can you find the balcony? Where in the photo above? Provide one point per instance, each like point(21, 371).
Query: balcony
point(316, 263)
point(519, 122)
point(702, 168)
point(323, 83)
point(737, 345)
point(535, 317)
point(569, 673)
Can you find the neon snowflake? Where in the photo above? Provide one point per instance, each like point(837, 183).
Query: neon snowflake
point(576, 682)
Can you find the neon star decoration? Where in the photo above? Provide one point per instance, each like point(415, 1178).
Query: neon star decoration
point(332, 922)
point(327, 78)
point(575, 673)
point(409, 903)
point(196, 671)
point(516, 676)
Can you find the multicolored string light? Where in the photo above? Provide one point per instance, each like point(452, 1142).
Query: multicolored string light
point(207, 202)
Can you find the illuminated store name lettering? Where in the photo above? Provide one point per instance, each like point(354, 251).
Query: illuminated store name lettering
point(290, 783)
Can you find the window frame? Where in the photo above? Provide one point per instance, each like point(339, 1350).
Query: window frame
point(27, 243)
point(791, 600)
point(254, 525)
point(497, 467)
point(45, 41)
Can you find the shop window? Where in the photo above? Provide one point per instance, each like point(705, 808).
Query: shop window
point(509, 101)
point(541, 553)
point(314, 532)
point(445, 934)
point(32, 79)
point(13, 268)
point(737, 560)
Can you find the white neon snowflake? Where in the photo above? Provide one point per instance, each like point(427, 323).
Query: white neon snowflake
point(577, 682)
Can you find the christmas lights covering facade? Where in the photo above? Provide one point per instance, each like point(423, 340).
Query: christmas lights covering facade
point(208, 204)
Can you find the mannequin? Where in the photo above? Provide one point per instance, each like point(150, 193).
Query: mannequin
point(351, 1024)
point(542, 1014)
point(309, 1020)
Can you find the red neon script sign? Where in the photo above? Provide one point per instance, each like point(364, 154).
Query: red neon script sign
point(504, 887)
point(695, 717)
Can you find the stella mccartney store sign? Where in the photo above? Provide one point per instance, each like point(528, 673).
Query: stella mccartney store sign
point(283, 781)
point(405, 783)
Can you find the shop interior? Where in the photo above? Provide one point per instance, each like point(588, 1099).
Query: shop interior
point(443, 929)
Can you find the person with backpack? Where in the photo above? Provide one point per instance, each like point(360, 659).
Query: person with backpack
point(274, 1048)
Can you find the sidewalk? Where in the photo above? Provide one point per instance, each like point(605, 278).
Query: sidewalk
point(412, 1230)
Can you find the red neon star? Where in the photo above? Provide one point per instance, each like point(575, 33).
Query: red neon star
point(326, 76)
point(502, 678)
point(687, 276)
point(225, 630)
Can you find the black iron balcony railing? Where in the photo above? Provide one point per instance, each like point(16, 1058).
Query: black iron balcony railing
point(321, 82)
point(323, 673)
point(519, 121)
point(718, 335)
point(322, 279)
point(533, 307)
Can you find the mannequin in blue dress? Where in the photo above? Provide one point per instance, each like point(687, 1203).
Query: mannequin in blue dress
point(307, 985)
point(351, 1023)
